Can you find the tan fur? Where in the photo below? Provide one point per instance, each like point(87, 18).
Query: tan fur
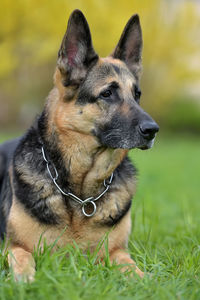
point(120, 256)
point(22, 264)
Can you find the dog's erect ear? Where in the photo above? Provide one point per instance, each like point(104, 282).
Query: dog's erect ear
point(129, 47)
point(76, 53)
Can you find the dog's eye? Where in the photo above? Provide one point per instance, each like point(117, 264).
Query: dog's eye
point(137, 93)
point(106, 94)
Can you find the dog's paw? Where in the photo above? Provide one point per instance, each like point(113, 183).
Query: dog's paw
point(139, 272)
point(25, 277)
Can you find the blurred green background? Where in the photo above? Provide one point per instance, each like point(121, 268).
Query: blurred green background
point(31, 33)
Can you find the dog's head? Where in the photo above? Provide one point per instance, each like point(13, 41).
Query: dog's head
point(100, 96)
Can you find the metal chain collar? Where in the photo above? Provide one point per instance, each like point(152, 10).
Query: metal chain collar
point(83, 203)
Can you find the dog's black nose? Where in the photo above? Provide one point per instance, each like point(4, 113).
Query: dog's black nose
point(148, 129)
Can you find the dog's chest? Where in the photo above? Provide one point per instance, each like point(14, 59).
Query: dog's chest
point(72, 226)
point(89, 231)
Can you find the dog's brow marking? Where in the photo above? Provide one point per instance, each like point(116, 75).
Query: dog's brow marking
point(113, 84)
point(106, 85)
point(116, 68)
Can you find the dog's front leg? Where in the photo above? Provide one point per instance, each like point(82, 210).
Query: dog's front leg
point(120, 256)
point(22, 264)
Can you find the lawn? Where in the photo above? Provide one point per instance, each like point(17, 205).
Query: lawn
point(165, 238)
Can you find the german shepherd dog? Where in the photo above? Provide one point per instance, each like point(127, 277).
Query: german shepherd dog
point(70, 172)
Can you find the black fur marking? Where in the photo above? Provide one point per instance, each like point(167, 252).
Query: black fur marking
point(116, 68)
point(2, 168)
point(113, 85)
point(6, 154)
point(28, 157)
point(51, 150)
point(136, 93)
point(114, 220)
point(5, 203)
point(85, 97)
point(119, 132)
point(31, 200)
point(123, 172)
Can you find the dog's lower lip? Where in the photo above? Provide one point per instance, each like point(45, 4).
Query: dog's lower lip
point(143, 147)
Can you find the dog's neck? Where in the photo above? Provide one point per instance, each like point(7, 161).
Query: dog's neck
point(87, 163)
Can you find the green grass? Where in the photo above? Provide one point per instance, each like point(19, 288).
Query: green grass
point(165, 238)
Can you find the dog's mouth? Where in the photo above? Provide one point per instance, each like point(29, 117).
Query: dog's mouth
point(143, 147)
point(148, 145)
point(129, 143)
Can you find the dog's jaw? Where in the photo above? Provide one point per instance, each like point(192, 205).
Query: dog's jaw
point(149, 145)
